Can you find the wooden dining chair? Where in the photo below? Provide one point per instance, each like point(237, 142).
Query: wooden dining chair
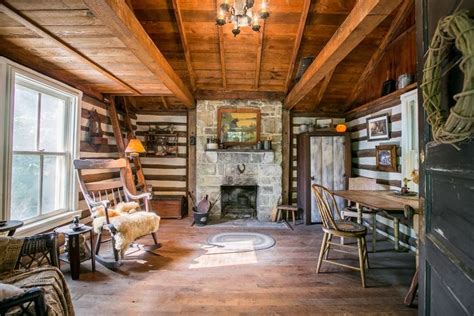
point(328, 208)
point(359, 212)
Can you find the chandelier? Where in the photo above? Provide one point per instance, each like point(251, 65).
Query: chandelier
point(240, 14)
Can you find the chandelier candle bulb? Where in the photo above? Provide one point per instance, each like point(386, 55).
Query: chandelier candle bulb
point(240, 14)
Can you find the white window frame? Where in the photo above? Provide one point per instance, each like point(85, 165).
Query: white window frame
point(8, 72)
point(409, 142)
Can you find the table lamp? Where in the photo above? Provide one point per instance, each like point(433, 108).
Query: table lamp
point(134, 148)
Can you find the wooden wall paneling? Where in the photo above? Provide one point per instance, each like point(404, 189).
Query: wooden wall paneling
point(406, 7)
point(119, 18)
point(169, 176)
point(322, 90)
point(191, 168)
point(363, 19)
point(286, 157)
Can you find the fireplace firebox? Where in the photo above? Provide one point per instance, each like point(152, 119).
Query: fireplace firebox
point(239, 201)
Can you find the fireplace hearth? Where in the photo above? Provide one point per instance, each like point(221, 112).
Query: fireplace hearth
point(239, 201)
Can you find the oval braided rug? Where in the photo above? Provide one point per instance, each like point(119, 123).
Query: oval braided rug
point(242, 241)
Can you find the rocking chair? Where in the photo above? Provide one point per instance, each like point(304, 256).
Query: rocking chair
point(109, 194)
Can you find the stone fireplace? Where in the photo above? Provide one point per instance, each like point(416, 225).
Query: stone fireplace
point(239, 200)
point(224, 167)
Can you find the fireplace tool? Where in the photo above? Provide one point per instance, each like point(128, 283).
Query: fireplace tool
point(202, 209)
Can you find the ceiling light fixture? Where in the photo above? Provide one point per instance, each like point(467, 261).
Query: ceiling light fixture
point(240, 14)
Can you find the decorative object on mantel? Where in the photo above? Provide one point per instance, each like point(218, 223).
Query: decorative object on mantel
point(212, 144)
point(386, 158)
point(404, 81)
point(267, 144)
point(96, 135)
point(238, 126)
point(378, 128)
point(241, 14)
point(457, 126)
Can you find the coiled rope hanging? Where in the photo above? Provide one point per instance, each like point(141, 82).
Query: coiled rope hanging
point(458, 125)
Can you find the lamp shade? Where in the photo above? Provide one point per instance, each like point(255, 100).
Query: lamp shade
point(135, 146)
point(341, 128)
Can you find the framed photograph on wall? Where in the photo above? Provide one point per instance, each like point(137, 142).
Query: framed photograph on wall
point(238, 126)
point(386, 158)
point(378, 128)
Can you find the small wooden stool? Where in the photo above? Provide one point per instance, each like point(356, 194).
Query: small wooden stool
point(287, 209)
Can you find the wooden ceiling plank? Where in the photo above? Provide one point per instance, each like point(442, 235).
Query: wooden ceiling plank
point(222, 56)
point(259, 53)
point(120, 19)
point(322, 89)
point(363, 19)
point(297, 44)
point(44, 33)
point(184, 43)
point(165, 103)
point(400, 17)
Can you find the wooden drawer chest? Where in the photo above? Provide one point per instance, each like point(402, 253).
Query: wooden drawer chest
point(169, 207)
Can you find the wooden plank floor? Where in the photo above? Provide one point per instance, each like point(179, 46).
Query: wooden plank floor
point(190, 277)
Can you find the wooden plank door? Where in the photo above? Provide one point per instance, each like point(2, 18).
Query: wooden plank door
point(327, 167)
point(447, 191)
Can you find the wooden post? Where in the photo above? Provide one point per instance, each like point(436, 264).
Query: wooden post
point(286, 154)
point(191, 169)
point(121, 145)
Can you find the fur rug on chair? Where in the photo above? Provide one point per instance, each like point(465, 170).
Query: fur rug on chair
point(130, 224)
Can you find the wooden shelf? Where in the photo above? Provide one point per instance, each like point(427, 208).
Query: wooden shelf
point(242, 150)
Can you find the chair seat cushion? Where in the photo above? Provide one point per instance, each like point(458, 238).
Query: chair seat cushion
point(350, 227)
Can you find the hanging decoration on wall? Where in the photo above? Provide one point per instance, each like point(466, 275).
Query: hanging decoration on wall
point(96, 134)
point(457, 125)
point(241, 14)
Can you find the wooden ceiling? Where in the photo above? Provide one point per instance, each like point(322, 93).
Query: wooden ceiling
point(178, 52)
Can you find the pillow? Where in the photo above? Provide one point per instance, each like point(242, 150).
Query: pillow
point(8, 290)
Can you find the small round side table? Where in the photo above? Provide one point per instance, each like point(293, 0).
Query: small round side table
point(73, 249)
point(10, 227)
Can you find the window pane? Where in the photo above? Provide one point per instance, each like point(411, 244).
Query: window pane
point(52, 124)
point(25, 186)
point(54, 184)
point(25, 118)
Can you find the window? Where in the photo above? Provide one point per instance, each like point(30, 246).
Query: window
point(410, 136)
point(42, 144)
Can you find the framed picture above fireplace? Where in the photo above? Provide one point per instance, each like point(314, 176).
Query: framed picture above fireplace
point(238, 126)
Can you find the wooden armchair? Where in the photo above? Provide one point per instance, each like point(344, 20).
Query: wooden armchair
point(36, 251)
point(327, 207)
point(109, 194)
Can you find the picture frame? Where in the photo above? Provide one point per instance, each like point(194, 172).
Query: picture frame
point(378, 128)
point(238, 126)
point(386, 158)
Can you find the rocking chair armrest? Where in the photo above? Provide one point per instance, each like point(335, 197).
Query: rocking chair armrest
point(35, 295)
point(104, 203)
point(145, 196)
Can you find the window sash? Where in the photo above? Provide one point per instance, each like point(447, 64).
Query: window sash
point(10, 75)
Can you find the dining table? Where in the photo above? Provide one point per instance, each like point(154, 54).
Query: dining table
point(390, 202)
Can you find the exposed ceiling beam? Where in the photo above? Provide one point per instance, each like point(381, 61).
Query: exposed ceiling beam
point(363, 19)
point(222, 55)
point(118, 17)
point(401, 16)
point(259, 53)
point(296, 46)
point(184, 43)
point(322, 89)
point(165, 103)
point(44, 33)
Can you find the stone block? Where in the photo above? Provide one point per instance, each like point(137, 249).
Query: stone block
point(207, 169)
point(210, 157)
point(266, 189)
point(268, 157)
point(270, 170)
